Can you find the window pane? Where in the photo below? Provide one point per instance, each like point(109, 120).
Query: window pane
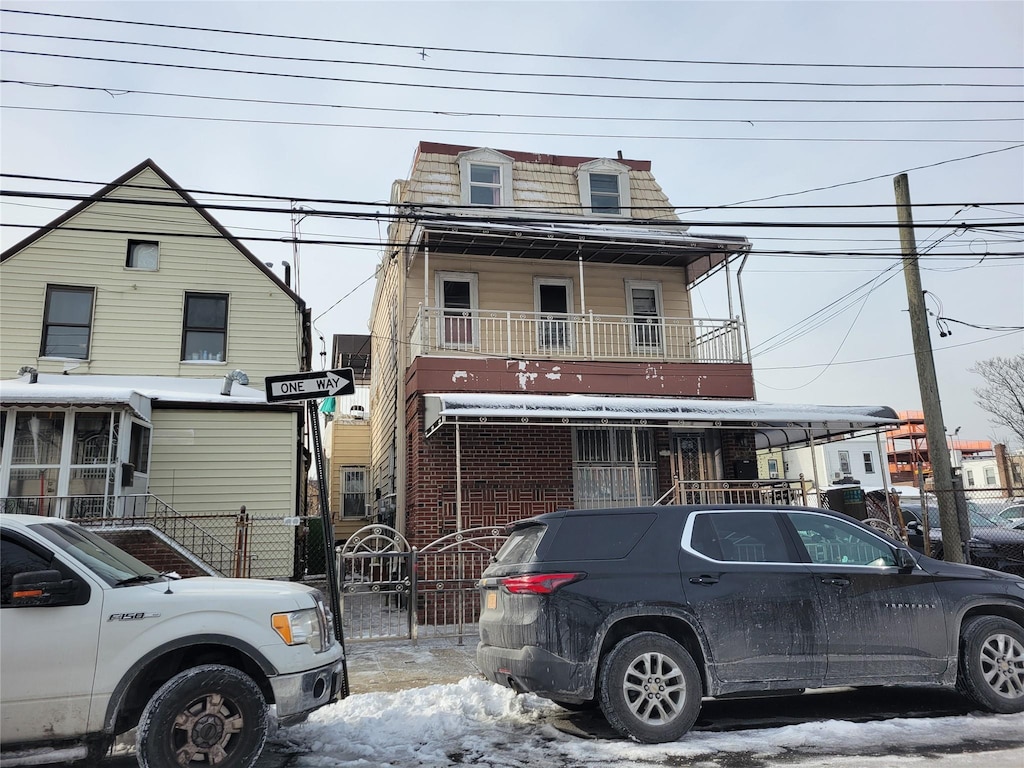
point(206, 311)
point(38, 438)
point(457, 294)
point(833, 542)
point(204, 345)
point(485, 174)
point(645, 302)
point(92, 438)
point(553, 299)
point(485, 195)
point(604, 192)
point(750, 537)
point(143, 255)
point(66, 341)
point(139, 448)
point(69, 307)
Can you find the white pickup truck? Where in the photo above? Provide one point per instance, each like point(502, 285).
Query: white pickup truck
point(94, 643)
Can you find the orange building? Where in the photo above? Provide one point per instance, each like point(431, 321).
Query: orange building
point(907, 446)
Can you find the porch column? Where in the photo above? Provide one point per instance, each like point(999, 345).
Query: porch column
point(883, 457)
point(426, 276)
point(814, 467)
point(636, 469)
point(458, 477)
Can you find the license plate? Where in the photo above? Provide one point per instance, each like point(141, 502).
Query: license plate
point(492, 600)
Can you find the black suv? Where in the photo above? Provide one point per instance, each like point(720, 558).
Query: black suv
point(644, 611)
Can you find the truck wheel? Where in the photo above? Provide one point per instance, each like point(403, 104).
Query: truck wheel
point(211, 714)
point(991, 669)
point(650, 688)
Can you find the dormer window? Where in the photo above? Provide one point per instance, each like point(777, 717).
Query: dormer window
point(604, 188)
point(486, 177)
point(484, 184)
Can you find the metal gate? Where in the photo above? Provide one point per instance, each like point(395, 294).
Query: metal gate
point(391, 590)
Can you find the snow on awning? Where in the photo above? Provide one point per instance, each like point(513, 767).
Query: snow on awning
point(137, 393)
point(774, 424)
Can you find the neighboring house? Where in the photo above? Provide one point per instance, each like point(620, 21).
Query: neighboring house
point(1001, 470)
point(347, 440)
point(135, 327)
point(535, 347)
point(840, 461)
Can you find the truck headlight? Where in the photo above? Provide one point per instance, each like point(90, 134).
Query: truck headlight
point(300, 627)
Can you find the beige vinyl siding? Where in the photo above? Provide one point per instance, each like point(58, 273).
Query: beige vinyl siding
point(349, 447)
point(138, 314)
point(507, 284)
point(209, 463)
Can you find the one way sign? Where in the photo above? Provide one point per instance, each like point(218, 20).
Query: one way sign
point(311, 385)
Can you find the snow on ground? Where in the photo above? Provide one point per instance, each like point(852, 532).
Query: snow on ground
point(474, 722)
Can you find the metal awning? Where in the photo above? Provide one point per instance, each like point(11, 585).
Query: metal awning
point(19, 392)
point(774, 424)
point(591, 242)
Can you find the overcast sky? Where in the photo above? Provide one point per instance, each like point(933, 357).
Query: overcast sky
point(827, 327)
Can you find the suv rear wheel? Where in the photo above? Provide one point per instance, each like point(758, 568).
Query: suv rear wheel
point(992, 663)
point(650, 688)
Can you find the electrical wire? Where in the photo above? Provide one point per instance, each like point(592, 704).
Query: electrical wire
point(499, 91)
point(753, 121)
point(425, 47)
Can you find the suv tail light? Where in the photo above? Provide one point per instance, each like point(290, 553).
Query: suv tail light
point(540, 583)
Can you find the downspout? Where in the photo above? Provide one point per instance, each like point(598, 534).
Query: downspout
point(743, 317)
point(583, 290)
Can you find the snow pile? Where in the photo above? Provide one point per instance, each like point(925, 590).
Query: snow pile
point(474, 722)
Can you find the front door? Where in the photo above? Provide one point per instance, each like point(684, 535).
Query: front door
point(553, 299)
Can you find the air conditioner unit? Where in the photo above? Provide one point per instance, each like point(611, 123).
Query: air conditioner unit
point(773, 475)
point(837, 475)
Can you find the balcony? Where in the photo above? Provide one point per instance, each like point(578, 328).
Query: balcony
point(590, 336)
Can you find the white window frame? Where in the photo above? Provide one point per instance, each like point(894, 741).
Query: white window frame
point(991, 478)
point(634, 344)
point(773, 469)
point(486, 157)
point(869, 463)
point(474, 306)
point(545, 327)
point(845, 467)
point(612, 168)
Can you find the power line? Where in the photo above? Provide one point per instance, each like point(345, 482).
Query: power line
point(546, 134)
point(477, 208)
point(754, 121)
point(423, 47)
point(493, 73)
point(502, 91)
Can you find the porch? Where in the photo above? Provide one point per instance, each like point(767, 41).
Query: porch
point(589, 336)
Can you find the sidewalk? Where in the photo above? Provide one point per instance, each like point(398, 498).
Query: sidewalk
point(391, 665)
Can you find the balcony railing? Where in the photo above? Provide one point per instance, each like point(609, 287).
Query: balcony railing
point(786, 492)
point(575, 337)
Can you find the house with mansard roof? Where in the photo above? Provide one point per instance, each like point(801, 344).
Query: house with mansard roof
point(140, 331)
point(536, 347)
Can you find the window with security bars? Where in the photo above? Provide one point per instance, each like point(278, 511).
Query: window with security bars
point(604, 473)
point(353, 492)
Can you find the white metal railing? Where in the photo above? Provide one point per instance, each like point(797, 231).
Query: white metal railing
point(587, 336)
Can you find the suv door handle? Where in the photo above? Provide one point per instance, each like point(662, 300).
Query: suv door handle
point(836, 582)
point(705, 580)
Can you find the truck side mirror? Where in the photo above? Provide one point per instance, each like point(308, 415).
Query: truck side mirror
point(40, 588)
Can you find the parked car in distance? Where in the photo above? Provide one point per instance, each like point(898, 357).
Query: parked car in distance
point(95, 643)
point(643, 611)
point(1013, 516)
point(993, 543)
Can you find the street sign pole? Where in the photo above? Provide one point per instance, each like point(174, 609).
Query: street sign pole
point(311, 386)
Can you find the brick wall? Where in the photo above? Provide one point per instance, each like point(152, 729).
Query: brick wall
point(152, 550)
point(508, 472)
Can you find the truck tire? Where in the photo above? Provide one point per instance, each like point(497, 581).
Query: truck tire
point(991, 670)
point(212, 714)
point(650, 688)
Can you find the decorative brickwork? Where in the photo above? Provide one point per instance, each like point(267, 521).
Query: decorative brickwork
point(508, 472)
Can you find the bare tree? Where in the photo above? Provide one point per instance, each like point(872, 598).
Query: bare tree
point(1003, 395)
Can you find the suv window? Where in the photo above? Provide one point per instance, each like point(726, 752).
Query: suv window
point(750, 537)
point(599, 537)
point(832, 542)
point(521, 545)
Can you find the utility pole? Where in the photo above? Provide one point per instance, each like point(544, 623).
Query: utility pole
point(935, 430)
